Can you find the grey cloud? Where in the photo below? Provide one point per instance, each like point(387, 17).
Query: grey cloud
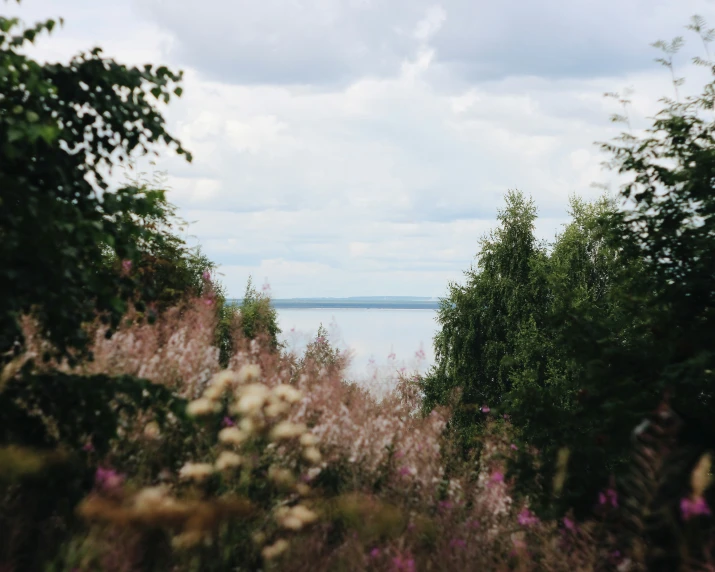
point(320, 42)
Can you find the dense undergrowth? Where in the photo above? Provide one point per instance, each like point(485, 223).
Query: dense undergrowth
point(145, 424)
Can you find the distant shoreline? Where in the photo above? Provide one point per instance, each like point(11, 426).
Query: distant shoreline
point(367, 303)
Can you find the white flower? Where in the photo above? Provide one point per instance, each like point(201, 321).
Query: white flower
point(196, 471)
point(151, 430)
point(223, 379)
point(227, 460)
point(312, 455)
point(303, 513)
point(287, 430)
point(252, 397)
point(308, 440)
point(201, 407)
point(248, 372)
point(276, 409)
point(275, 549)
point(287, 393)
point(232, 436)
point(280, 476)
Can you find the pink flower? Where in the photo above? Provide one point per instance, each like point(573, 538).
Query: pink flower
point(88, 447)
point(374, 553)
point(514, 447)
point(457, 543)
point(403, 564)
point(420, 354)
point(206, 275)
point(444, 505)
point(107, 480)
point(126, 265)
point(608, 497)
point(497, 477)
point(227, 422)
point(404, 471)
point(570, 524)
point(527, 518)
point(690, 508)
point(485, 409)
point(392, 355)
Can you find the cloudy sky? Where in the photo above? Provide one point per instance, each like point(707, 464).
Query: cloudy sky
point(362, 147)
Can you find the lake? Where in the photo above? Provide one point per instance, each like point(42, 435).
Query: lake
point(387, 339)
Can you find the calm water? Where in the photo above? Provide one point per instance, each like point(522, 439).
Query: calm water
point(383, 338)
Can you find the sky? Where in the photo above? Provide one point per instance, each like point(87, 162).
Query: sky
point(362, 147)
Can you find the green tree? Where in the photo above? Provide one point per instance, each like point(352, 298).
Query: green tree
point(480, 321)
point(62, 128)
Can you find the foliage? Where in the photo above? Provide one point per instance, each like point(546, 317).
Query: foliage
point(257, 317)
point(56, 214)
point(578, 342)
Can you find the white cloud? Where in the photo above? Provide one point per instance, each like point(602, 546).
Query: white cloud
point(348, 147)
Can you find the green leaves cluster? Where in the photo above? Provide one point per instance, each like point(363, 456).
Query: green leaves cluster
point(579, 340)
point(62, 129)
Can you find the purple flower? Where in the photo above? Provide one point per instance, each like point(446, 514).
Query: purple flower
point(608, 497)
point(570, 524)
point(505, 416)
point(126, 265)
point(88, 447)
point(404, 564)
point(404, 471)
point(457, 543)
point(206, 275)
point(444, 505)
point(107, 480)
point(227, 422)
point(485, 409)
point(690, 508)
point(527, 518)
point(374, 553)
point(497, 477)
point(514, 447)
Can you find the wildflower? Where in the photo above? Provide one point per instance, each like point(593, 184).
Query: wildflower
point(457, 543)
point(513, 447)
point(609, 497)
point(88, 447)
point(404, 471)
point(252, 398)
point(227, 422)
point(690, 508)
point(312, 473)
point(188, 539)
point(287, 393)
point(107, 480)
point(497, 477)
point(275, 549)
point(700, 477)
point(151, 430)
point(570, 524)
point(232, 436)
point(485, 409)
point(312, 455)
point(308, 440)
point(280, 476)
point(444, 505)
point(126, 265)
point(196, 471)
point(276, 409)
point(206, 275)
point(287, 430)
point(527, 518)
point(149, 499)
point(374, 553)
point(248, 372)
point(201, 407)
point(223, 379)
point(306, 515)
point(227, 460)
point(403, 564)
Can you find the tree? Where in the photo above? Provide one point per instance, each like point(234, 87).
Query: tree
point(480, 320)
point(62, 128)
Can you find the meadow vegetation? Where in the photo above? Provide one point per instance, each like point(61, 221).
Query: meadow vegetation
point(146, 424)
